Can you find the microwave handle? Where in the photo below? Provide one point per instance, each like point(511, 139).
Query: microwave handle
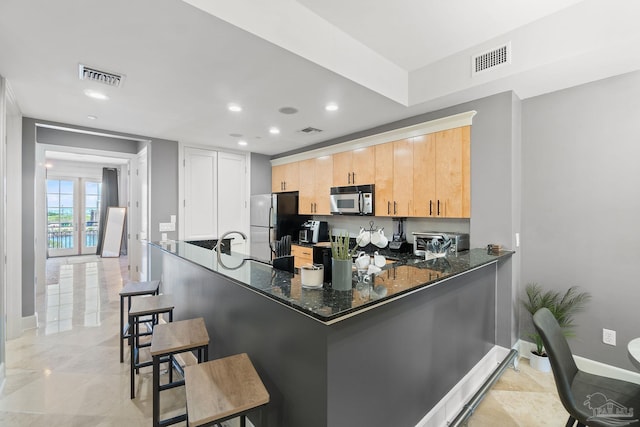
point(360, 202)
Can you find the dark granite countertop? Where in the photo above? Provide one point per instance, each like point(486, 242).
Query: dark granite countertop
point(405, 275)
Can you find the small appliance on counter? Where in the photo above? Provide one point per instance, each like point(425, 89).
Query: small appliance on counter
point(421, 241)
point(322, 255)
point(314, 231)
point(399, 241)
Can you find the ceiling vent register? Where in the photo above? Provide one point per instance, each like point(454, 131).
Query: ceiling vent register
point(104, 77)
point(491, 59)
point(309, 130)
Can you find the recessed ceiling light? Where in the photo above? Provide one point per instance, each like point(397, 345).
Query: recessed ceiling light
point(95, 94)
point(92, 117)
point(234, 107)
point(242, 143)
point(274, 130)
point(331, 107)
point(236, 135)
point(48, 165)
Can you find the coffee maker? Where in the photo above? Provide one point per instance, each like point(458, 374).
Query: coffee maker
point(399, 241)
point(314, 231)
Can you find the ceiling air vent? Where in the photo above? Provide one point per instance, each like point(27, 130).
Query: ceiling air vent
point(309, 130)
point(105, 77)
point(491, 59)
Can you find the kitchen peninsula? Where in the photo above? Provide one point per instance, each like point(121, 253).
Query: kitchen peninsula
point(382, 354)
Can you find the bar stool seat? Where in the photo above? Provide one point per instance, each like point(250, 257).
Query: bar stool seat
point(168, 340)
point(129, 290)
point(154, 306)
point(223, 389)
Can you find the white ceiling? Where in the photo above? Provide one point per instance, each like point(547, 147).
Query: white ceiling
point(380, 61)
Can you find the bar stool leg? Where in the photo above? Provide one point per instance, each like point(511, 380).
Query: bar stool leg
point(156, 391)
point(132, 362)
point(121, 328)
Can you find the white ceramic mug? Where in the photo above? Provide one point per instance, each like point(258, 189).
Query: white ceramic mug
point(382, 240)
point(375, 237)
point(364, 238)
point(362, 261)
point(379, 260)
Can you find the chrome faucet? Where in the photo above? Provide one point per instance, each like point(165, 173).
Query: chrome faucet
point(217, 246)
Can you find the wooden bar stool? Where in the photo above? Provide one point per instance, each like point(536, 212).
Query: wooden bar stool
point(154, 306)
point(170, 339)
point(129, 290)
point(223, 389)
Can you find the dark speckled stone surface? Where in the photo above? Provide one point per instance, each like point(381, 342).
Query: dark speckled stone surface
point(406, 275)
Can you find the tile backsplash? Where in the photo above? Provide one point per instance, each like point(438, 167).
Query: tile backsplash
point(352, 224)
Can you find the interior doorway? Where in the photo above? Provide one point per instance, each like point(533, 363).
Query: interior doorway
point(73, 215)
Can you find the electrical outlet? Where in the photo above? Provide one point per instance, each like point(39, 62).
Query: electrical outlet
point(167, 226)
point(609, 336)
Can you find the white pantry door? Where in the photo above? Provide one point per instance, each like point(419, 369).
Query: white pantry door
point(232, 198)
point(200, 202)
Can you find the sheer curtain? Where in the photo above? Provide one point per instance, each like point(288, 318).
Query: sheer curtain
point(108, 197)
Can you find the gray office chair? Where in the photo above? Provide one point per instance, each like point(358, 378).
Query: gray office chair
point(591, 400)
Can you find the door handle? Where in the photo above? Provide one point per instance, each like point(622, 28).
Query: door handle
point(438, 207)
point(353, 174)
point(395, 207)
point(389, 208)
point(430, 207)
point(349, 178)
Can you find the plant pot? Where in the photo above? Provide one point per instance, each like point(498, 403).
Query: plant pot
point(539, 363)
point(341, 274)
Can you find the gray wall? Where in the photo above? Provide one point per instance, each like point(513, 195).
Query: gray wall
point(495, 213)
point(260, 174)
point(163, 164)
point(581, 206)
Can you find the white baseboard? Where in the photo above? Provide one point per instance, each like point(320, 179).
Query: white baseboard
point(30, 322)
point(588, 365)
point(453, 402)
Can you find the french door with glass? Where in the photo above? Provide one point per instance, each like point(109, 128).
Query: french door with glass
point(73, 216)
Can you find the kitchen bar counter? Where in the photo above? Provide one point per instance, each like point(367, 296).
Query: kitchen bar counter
point(405, 275)
point(379, 355)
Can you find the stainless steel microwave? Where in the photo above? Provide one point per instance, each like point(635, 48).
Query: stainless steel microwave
point(352, 200)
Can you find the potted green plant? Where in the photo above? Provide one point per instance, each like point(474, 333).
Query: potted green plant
point(563, 306)
point(341, 262)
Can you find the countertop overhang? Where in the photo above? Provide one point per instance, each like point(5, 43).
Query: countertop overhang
point(397, 280)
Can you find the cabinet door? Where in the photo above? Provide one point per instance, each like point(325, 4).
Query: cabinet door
point(424, 176)
point(363, 161)
point(301, 255)
point(200, 185)
point(402, 178)
point(277, 178)
point(307, 186)
point(232, 206)
point(384, 179)
point(291, 177)
point(342, 168)
point(285, 178)
point(453, 172)
point(323, 182)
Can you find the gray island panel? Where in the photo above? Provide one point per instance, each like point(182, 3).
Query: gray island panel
point(383, 364)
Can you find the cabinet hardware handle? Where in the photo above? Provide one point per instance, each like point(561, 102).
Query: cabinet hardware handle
point(389, 208)
point(438, 207)
point(395, 207)
point(349, 178)
point(354, 177)
point(430, 207)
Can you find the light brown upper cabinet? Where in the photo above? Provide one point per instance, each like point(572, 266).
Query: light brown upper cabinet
point(354, 167)
point(285, 177)
point(394, 178)
point(442, 179)
point(315, 186)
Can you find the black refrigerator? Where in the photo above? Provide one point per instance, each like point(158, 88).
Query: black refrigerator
point(272, 217)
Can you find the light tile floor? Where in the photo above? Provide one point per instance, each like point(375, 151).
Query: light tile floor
point(67, 371)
